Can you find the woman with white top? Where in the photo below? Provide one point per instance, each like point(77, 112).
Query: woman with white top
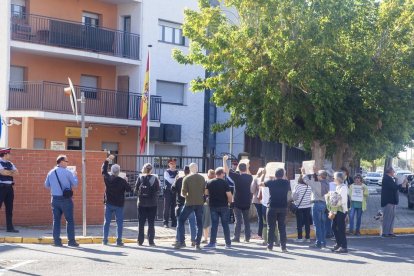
point(302, 200)
point(339, 212)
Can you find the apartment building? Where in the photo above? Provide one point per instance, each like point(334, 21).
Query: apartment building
point(102, 45)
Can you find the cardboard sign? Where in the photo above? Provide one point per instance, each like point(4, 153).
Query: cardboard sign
point(271, 168)
point(308, 166)
point(357, 193)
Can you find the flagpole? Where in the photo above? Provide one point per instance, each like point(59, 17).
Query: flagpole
point(149, 98)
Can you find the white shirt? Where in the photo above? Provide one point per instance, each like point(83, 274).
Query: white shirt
point(343, 191)
point(265, 196)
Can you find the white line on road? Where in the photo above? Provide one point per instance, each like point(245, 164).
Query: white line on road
point(3, 270)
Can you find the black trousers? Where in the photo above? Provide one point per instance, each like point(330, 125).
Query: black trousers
point(274, 215)
point(144, 214)
point(169, 207)
point(303, 218)
point(339, 227)
point(7, 196)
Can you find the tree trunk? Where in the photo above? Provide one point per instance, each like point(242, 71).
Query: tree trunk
point(338, 156)
point(318, 154)
point(348, 160)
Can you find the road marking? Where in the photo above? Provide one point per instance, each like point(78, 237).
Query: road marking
point(3, 270)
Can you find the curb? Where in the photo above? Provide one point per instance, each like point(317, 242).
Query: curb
point(98, 240)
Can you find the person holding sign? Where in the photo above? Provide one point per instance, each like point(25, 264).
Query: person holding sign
point(358, 194)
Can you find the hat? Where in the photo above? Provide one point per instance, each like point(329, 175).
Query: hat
point(7, 150)
point(172, 160)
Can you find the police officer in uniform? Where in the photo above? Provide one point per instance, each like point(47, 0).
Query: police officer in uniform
point(7, 171)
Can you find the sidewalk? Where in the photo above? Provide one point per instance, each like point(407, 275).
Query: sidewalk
point(404, 224)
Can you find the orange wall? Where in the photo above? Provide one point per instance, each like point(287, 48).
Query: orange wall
point(72, 10)
point(43, 68)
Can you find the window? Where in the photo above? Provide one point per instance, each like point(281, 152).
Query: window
point(39, 143)
point(89, 85)
point(18, 8)
point(17, 77)
point(171, 92)
point(90, 19)
point(171, 33)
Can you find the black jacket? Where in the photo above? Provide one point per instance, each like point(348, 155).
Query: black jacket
point(389, 191)
point(115, 187)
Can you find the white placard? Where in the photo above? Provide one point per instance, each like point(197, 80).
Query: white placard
point(72, 169)
point(272, 167)
point(308, 166)
point(244, 161)
point(57, 145)
point(181, 174)
point(332, 186)
point(357, 193)
point(122, 175)
point(293, 184)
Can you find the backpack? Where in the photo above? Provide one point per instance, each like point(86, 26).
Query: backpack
point(147, 188)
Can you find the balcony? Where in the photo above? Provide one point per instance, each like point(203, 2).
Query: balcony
point(73, 35)
point(49, 96)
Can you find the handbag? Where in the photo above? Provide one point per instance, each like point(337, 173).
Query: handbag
point(67, 193)
point(292, 206)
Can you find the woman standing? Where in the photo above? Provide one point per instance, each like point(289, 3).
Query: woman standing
point(358, 194)
point(147, 187)
point(338, 209)
point(255, 189)
point(302, 200)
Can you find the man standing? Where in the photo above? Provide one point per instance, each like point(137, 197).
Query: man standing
point(319, 186)
point(389, 200)
point(279, 191)
point(193, 191)
point(219, 194)
point(114, 199)
point(58, 180)
point(169, 196)
point(242, 198)
point(7, 171)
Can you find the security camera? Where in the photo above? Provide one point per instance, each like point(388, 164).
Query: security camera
point(15, 122)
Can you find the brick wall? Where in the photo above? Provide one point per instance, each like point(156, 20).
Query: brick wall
point(32, 199)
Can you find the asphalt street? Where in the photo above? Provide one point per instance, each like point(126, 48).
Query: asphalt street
point(367, 256)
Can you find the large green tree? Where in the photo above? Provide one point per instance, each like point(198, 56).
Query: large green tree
point(334, 75)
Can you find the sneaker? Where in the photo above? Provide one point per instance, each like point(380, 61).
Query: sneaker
point(235, 240)
point(284, 250)
point(227, 246)
point(341, 250)
point(247, 240)
point(104, 242)
point(73, 244)
point(336, 247)
point(307, 240)
point(140, 243)
point(152, 244)
point(317, 246)
point(197, 247)
point(58, 244)
point(298, 240)
point(119, 244)
point(269, 248)
point(210, 246)
point(178, 245)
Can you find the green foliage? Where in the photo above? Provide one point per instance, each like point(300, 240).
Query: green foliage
point(298, 71)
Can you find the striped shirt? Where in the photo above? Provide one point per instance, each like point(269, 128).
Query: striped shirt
point(302, 190)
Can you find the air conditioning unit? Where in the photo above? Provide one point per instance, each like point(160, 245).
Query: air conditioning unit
point(156, 134)
point(172, 133)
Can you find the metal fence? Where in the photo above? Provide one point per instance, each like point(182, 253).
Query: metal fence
point(74, 35)
point(49, 96)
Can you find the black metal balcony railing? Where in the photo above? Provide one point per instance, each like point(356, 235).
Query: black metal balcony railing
point(74, 35)
point(49, 96)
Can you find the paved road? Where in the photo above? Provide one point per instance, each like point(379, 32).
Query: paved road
point(368, 256)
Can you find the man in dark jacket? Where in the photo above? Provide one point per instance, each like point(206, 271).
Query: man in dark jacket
point(114, 199)
point(389, 199)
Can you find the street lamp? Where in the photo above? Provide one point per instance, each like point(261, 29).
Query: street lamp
point(70, 91)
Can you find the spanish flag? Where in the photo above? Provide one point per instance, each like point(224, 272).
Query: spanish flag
point(144, 110)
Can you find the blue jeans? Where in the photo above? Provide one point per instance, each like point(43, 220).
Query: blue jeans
point(119, 216)
point(223, 214)
point(61, 205)
point(259, 218)
point(319, 220)
point(185, 213)
point(191, 223)
point(358, 212)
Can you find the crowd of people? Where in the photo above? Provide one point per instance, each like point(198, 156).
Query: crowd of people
point(329, 202)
